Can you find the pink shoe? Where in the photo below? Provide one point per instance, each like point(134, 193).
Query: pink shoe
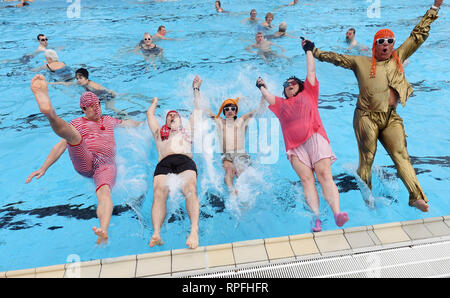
point(317, 227)
point(341, 218)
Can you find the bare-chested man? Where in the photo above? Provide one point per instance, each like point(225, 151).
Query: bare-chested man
point(231, 132)
point(264, 47)
point(174, 146)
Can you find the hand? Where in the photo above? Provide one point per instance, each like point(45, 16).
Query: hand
point(154, 100)
point(197, 82)
point(438, 3)
point(38, 174)
point(307, 45)
point(260, 83)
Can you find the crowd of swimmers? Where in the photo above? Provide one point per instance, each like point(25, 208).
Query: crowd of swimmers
point(382, 85)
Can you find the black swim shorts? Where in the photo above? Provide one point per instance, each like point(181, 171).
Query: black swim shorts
point(175, 164)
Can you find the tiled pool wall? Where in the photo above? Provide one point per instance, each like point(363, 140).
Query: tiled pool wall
point(185, 262)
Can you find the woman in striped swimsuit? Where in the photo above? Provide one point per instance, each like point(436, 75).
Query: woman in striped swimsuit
point(91, 143)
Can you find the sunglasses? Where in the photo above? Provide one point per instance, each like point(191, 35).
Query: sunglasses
point(381, 41)
point(147, 39)
point(44, 39)
point(226, 109)
point(291, 83)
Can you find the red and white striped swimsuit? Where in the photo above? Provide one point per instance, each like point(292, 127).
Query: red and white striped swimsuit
point(95, 155)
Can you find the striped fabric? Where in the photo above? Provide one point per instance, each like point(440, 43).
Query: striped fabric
point(95, 155)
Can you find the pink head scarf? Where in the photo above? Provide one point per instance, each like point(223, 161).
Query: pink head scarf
point(88, 99)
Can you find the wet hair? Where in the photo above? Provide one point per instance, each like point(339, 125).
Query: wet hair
point(353, 30)
point(39, 36)
point(51, 54)
point(269, 14)
point(160, 27)
point(83, 72)
point(301, 85)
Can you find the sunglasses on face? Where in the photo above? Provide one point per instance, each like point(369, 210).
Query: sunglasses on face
point(291, 83)
point(44, 39)
point(147, 39)
point(226, 109)
point(381, 41)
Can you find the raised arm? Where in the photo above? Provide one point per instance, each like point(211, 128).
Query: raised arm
point(345, 61)
point(420, 33)
point(308, 46)
point(253, 112)
point(269, 97)
point(151, 119)
point(196, 83)
point(53, 156)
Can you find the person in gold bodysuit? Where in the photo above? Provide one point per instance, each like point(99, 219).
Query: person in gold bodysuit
point(382, 84)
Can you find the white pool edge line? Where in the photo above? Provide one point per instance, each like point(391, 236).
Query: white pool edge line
point(184, 262)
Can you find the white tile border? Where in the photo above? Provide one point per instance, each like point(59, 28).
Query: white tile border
point(201, 252)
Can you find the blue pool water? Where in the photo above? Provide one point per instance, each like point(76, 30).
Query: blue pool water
point(49, 221)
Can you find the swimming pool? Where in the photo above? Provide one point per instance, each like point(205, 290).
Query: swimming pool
point(49, 221)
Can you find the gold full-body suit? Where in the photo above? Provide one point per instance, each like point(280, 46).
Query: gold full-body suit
point(374, 119)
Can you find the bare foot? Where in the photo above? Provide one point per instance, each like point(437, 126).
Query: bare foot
point(102, 235)
point(39, 88)
point(421, 205)
point(156, 240)
point(192, 241)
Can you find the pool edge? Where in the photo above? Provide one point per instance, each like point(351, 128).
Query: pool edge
point(185, 262)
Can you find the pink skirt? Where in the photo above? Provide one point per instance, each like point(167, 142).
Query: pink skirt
point(314, 149)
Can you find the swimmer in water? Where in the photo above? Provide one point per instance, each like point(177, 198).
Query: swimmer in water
point(352, 43)
point(174, 145)
point(60, 69)
point(281, 32)
point(267, 24)
point(91, 144)
point(161, 34)
point(307, 146)
point(219, 7)
point(148, 49)
point(252, 18)
point(264, 47)
point(382, 85)
point(231, 131)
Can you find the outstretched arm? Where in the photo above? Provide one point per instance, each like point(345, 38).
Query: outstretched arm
point(308, 46)
point(253, 112)
point(53, 156)
point(151, 119)
point(420, 32)
point(269, 97)
point(196, 88)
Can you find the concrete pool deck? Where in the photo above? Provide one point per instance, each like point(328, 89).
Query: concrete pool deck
point(237, 255)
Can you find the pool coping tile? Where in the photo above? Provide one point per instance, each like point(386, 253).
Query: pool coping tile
point(250, 253)
point(155, 263)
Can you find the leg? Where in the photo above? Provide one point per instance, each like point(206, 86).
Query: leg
point(189, 191)
point(104, 212)
point(330, 191)
point(159, 208)
point(230, 173)
point(394, 141)
point(40, 89)
point(366, 132)
point(308, 180)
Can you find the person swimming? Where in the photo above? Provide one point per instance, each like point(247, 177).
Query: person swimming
point(61, 71)
point(147, 47)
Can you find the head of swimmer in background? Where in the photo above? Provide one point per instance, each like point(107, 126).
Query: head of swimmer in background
point(82, 76)
point(383, 49)
point(90, 105)
point(162, 30)
point(259, 37)
point(229, 108)
point(292, 87)
point(43, 40)
point(282, 27)
point(269, 17)
point(350, 35)
point(253, 14)
point(51, 56)
point(147, 39)
point(173, 120)
point(218, 6)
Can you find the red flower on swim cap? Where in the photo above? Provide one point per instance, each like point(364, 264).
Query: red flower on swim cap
point(88, 99)
point(380, 34)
